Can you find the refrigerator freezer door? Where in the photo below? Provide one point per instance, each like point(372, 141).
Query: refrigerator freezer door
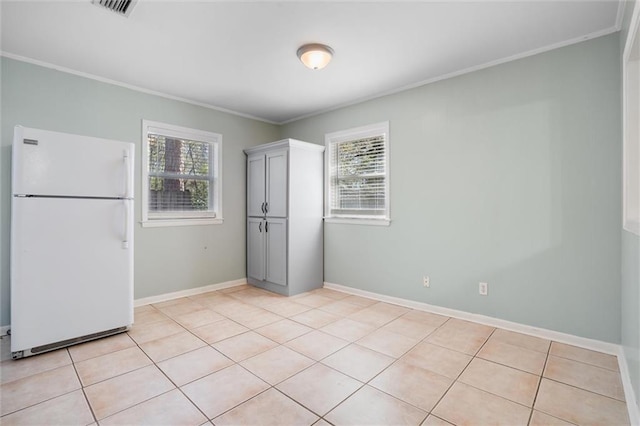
point(71, 274)
point(59, 164)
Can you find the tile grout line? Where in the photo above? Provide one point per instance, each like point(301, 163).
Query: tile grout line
point(506, 366)
point(510, 366)
point(235, 406)
point(454, 381)
point(156, 365)
point(179, 388)
point(398, 359)
point(539, 384)
point(120, 375)
point(367, 383)
point(207, 345)
point(320, 416)
point(82, 387)
point(585, 363)
point(544, 367)
point(250, 301)
point(53, 397)
point(584, 390)
point(136, 369)
point(320, 361)
point(363, 384)
point(315, 362)
point(211, 346)
point(134, 405)
point(241, 366)
point(79, 381)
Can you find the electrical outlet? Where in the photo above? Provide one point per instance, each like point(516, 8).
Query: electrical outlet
point(425, 281)
point(483, 289)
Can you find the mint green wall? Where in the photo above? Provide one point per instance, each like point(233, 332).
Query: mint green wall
point(509, 175)
point(166, 259)
point(630, 311)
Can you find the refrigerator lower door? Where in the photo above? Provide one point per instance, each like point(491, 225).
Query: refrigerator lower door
point(71, 269)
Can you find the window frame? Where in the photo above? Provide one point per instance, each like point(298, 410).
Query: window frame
point(185, 218)
point(331, 141)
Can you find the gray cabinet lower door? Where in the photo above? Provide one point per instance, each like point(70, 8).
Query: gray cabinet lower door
point(256, 248)
point(276, 249)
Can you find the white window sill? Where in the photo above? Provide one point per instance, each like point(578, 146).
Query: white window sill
point(155, 223)
point(358, 221)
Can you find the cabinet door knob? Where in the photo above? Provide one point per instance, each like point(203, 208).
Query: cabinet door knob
point(266, 227)
point(262, 208)
point(266, 207)
point(260, 226)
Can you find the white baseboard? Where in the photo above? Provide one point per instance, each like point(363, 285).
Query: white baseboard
point(189, 292)
point(629, 393)
point(556, 336)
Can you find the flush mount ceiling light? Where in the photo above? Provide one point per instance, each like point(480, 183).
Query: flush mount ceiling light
point(315, 56)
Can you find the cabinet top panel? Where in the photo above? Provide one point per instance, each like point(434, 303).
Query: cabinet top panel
point(285, 143)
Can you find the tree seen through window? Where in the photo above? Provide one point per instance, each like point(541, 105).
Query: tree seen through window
point(179, 174)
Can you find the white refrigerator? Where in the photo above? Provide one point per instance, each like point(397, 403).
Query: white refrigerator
point(71, 239)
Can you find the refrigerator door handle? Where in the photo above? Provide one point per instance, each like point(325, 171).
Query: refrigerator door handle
point(127, 166)
point(125, 241)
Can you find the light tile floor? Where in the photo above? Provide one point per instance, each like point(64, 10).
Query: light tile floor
point(243, 356)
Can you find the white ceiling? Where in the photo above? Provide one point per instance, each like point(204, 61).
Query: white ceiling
point(241, 56)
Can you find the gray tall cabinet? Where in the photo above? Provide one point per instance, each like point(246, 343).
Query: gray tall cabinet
point(284, 216)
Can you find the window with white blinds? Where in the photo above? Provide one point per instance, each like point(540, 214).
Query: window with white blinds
point(181, 175)
point(358, 174)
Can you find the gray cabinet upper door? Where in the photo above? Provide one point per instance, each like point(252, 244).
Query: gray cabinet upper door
point(276, 250)
point(276, 189)
point(255, 185)
point(256, 248)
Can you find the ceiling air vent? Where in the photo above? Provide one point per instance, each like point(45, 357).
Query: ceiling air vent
point(121, 7)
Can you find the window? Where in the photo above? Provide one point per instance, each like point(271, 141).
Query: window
point(357, 162)
point(181, 176)
point(631, 110)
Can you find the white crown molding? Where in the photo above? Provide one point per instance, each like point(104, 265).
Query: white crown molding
point(606, 31)
point(622, 8)
point(447, 76)
point(129, 86)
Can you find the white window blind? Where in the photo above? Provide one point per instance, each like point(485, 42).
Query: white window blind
point(180, 177)
point(181, 174)
point(358, 175)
